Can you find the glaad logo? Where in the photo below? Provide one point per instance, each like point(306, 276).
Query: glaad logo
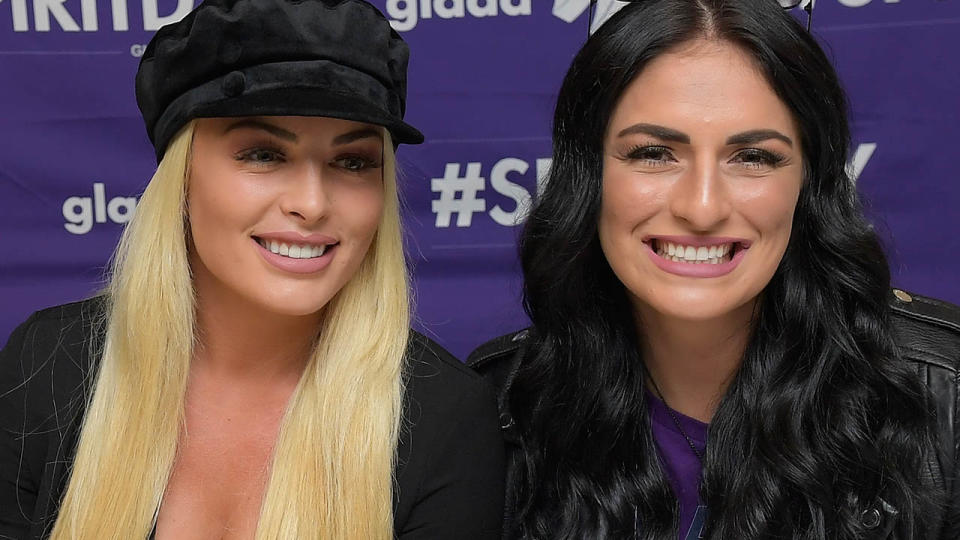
point(89, 19)
point(82, 212)
point(404, 14)
point(571, 10)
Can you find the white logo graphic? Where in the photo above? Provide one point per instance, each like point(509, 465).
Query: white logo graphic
point(452, 183)
point(82, 212)
point(405, 14)
point(89, 17)
point(459, 195)
point(571, 10)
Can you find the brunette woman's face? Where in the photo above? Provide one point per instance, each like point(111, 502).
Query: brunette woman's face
point(702, 170)
point(282, 210)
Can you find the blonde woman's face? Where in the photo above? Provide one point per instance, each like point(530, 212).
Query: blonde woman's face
point(702, 171)
point(282, 210)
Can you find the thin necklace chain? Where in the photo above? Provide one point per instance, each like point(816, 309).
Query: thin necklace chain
point(676, 419)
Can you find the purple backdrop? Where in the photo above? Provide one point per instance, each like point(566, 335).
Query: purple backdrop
point(483, 77)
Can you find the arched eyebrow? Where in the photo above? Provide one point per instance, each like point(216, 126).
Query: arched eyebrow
point(356, 135)
point(668, 134)
point(758, 135)
point(660, 132)
point(254, 123)
point(343, 138)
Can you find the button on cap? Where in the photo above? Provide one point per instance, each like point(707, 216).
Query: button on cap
point(234, 84)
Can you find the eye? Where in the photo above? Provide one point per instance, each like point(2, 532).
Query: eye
point(355, 163)
point(654, 155)
point(261, 156)
point(758, 158)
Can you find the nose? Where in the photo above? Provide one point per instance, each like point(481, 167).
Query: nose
point(700, 198)
point(305, 197)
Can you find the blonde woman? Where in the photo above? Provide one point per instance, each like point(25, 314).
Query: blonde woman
point(250, 372)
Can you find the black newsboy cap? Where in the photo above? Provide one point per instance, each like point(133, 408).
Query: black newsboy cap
point(336, 58)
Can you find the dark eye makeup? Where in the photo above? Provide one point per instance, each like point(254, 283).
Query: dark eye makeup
point(357, 162)
point(758, 158)
point(649, 154)
point(658, 155)
point(261, 154)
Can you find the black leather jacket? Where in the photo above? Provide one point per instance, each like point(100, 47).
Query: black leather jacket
point(928, 335)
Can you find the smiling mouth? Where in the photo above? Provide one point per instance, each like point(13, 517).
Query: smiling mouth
point(715, 254)
point(295, 251)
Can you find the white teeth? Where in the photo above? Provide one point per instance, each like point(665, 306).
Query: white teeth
point(294, 251)
point(715, 254)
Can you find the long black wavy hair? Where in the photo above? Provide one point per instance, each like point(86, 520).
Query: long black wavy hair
point(822, 420)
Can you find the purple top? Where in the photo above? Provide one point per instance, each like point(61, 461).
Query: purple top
point(681, 464)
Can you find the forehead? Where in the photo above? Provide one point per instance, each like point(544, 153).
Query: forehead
point(703, 86)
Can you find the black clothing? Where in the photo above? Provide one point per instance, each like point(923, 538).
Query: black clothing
point(450, 462)
point(927, 333)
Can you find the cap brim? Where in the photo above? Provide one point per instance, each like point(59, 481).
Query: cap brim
point(289, 101)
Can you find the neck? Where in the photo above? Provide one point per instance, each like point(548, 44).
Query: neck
point(693, 362)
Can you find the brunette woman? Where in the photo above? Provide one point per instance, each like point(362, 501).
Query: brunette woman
point(715, 350)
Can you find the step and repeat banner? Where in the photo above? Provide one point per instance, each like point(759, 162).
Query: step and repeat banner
point(483, 78)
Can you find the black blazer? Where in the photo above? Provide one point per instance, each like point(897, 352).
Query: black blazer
point(927, 333)
point(450, 461)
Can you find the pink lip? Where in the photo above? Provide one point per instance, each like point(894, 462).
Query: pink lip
point(697, 270)
point(296, 266)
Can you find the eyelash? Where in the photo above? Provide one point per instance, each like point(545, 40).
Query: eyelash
point(764, 158)
point(643, 153)
point(248, 155)
point(367, 162)
point(277, 155)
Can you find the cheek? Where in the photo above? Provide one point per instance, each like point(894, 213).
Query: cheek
point(222, 209)
point(771, 210)
point(628, 202)
point(362, 209)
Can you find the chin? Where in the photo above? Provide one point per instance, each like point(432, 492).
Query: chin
point(693, 307)
point(294, 304)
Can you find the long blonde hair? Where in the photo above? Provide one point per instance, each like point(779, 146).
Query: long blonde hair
point(331, 472)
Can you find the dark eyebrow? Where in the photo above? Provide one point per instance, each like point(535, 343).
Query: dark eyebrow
point(758, 135)
point(260, 124)
point(362, 133)
point(659, 132)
